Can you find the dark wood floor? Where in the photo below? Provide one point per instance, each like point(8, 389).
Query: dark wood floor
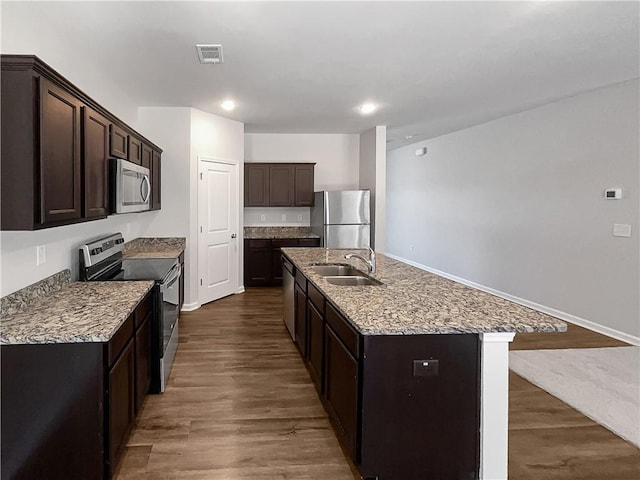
point(240, 405)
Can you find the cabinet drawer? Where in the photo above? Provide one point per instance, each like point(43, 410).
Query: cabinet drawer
point(343, 330)
point(309, 242)
point(259, 243)
point(119, 340)
point(143, 309)
point(316, 298)
point(284, 242)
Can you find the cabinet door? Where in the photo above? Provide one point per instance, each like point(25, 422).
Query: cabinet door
point(143, 360)
point(156, 181)
point(276, 257)
point(303, 192)
point(118, 142)
point(257, 262)
point(60, 171)
point(135, 150)
point(147, 153)
point(256, 185)
point(341, 389)
point(300, 302)
point(121, 403)
point(281, 183)
point(95, 161)
point(315, 345)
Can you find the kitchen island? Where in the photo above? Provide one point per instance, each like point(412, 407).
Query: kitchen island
point(413, 372)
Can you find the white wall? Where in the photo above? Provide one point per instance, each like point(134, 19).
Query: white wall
point(372, 167)
point(18, 249)
point(218, 138)
point(335, 156)
point(26, 30)
point(517, 205)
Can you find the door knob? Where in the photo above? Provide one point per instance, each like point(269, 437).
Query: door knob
point(233, 235)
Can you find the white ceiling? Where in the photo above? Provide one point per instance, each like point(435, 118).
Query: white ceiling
point(304, 67)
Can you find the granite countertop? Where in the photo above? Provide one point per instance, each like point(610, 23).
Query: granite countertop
point(278, 232)
point(150, 247)
point(411, 301)
point(76, 313)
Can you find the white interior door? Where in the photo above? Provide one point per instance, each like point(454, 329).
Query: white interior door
point(218, 239)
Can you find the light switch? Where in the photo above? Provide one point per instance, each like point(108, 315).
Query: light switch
point(621, 230)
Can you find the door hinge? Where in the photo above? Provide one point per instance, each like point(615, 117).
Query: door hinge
point(201, 229)
point(200, 175)
point(200, 281)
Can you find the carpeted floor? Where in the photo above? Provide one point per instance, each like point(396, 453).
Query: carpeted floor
point(602, 383)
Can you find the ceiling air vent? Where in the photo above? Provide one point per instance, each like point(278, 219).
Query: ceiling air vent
point(209, 53)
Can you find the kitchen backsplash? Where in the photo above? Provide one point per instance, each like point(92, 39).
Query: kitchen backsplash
point(277, 216)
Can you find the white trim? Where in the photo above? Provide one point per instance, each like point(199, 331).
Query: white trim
point(596, 327)
point(190, 307)
point(494, 405)
point(240, 289)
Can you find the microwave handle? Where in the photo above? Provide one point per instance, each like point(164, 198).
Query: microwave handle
point(145, 179)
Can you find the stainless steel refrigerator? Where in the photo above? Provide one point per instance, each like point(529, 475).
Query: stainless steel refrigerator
point(342, 218)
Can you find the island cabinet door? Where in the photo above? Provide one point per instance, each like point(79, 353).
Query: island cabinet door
point(341, 390)
point(315, 346)
point(300, 299)
point(143, 360)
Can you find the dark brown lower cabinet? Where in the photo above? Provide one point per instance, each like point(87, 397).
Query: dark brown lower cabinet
point(397, 417)
point(341, 390)
point(73, 404)
point(300, 299)
point(143, 360)
point(120, 398)
point(315, 345)
point(263, 259)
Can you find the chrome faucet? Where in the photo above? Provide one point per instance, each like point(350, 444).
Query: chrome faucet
point(371, 261)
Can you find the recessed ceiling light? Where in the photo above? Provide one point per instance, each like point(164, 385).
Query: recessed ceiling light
point(228, 105)
point(367, 108)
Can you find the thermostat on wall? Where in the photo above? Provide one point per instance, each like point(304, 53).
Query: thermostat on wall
point(613, 193)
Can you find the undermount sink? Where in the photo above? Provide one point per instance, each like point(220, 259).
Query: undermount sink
point(336, 270)
point(351, 280)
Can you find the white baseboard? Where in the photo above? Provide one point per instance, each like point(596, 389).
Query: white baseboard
point(588, 324)
point(190, 307)
point(240, 289)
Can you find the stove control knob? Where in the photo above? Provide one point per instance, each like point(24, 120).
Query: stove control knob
point(119, 240)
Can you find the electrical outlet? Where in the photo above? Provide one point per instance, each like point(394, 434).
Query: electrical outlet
point(411, 248)
point(621, 230)
point(262, 218)
point(299, 218)
point(284, 217)
point(41, 254)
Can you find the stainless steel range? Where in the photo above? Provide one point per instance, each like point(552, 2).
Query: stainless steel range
point(101, 260)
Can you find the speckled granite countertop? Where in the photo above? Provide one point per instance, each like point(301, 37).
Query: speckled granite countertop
point(278, 232)
point(77, 312)
point(168, 247)
point(412, 301)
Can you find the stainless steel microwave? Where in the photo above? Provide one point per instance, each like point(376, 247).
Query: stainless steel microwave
point(130, 187)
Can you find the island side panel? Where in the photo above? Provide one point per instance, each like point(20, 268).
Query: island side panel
point(52, 415)
point(418, 420)
point(494, 415)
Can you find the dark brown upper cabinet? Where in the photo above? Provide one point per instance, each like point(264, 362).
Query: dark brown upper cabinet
point(256, 185)
point(303, 180)
point(135, 150)
point(278, 184)
point(96, 163)
point(56, 142)
point(146, 157)
point(156, 180)
point(119, 142)
point(281, 186)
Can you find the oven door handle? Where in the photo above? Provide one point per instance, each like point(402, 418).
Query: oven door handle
point(172, 276)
